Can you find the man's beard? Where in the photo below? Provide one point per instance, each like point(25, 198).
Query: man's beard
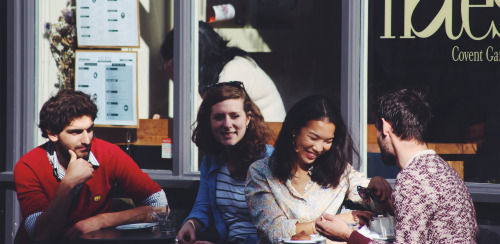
point(65, 154)
point(388, 158)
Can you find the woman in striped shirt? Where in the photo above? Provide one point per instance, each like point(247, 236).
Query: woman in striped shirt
point(232, 134)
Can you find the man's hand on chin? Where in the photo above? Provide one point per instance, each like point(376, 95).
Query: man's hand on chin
point(78, 171)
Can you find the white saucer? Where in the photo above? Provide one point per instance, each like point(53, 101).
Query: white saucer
point(136, 226)
point(314, 239)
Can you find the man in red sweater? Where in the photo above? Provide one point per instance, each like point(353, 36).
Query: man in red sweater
point(64, 186)
point(431, 202)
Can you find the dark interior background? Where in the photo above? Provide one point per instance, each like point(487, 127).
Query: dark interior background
point(303, 35)
point(464, 95)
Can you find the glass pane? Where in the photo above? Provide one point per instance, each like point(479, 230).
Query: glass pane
point(154, 88)
point(450, 50)
point(295, 42)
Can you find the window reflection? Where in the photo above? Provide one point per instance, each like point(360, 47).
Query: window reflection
point(297, 43)
point(407, 51)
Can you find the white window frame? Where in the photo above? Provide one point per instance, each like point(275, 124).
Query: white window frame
point(21, 87)
point(185, 172)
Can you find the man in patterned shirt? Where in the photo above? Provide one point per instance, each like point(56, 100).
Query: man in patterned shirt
point(432, 203)
point(64, 186)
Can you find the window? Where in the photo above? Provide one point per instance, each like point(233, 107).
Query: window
point(297, 43)
point(452, 56)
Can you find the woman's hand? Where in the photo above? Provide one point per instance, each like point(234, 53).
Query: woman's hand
point(186, 234)
point(333, 227)
point(384, 189)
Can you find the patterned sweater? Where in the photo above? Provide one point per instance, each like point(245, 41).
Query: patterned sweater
point(432, 204)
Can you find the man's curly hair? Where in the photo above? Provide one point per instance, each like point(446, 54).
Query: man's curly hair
point(60, 110)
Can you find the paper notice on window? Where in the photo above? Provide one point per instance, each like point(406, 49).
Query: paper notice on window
point(107, 23)
point(110, 79)
point(166, 148)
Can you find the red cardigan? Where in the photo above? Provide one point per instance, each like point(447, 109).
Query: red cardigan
point(36, 183)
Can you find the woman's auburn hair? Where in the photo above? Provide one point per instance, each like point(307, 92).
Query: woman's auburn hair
point(251, 147)
point(330, 166)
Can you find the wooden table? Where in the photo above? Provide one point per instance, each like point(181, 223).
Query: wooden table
point(112, 235)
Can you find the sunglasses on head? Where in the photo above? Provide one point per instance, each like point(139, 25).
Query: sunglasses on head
point(237, 84)
point(366, 193)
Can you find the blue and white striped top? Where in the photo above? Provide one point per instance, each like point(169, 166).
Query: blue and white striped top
point(230, 199)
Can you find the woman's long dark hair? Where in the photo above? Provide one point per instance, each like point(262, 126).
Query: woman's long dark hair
point(252, 146)
point(213, 54)
point(329, 167)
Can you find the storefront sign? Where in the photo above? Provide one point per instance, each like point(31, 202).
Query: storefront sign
point(450, 49)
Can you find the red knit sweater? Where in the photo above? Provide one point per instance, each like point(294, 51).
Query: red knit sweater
point(36, 183)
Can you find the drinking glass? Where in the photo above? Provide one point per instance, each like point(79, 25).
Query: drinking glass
point(163, 222)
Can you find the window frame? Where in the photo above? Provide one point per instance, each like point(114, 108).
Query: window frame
point(21, 97)
point(184, 173)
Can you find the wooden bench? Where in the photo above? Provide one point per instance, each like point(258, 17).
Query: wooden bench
point(440, 148)
point(151, 131)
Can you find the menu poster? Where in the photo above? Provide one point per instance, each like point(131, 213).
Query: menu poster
point(107, 23)
point(111, 80)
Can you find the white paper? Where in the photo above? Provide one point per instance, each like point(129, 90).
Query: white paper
point(110, 79)
point(107, 23)
point(166, 148)
point(372, 234)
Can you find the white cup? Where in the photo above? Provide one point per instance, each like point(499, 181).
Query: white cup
point(384, 226)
